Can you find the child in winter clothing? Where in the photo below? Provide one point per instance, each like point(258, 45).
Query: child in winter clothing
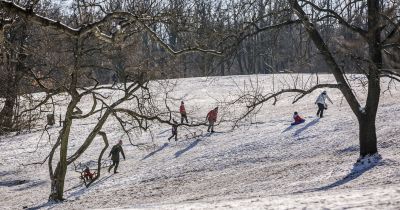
point(321, 103)
point(183, 113)
point(174, 131)
point(212, 118)
point(297, 119)
point(87, 175)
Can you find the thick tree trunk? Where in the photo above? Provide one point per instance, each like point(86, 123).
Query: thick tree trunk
point(57, 179)
point(368, 141)
point(367, 136)
point(6, 114)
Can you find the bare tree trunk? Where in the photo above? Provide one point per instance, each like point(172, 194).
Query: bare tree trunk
point(366, 116)
point(368, 141)
point(57, 180)
point(7, 113)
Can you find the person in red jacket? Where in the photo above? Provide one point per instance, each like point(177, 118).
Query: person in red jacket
point(297, 119)
point(212, 118)
point(87, 174)
point(183, 113)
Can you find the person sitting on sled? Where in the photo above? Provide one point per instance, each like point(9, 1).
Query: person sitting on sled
point(297, 119)
point(87, 175)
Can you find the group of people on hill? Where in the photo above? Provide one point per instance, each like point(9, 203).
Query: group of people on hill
point(211, 118)
point(320, 102)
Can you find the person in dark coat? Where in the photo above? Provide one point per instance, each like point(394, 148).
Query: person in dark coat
point(182, 110)
point(212, 118)
point(114, 153)
point(174, 131)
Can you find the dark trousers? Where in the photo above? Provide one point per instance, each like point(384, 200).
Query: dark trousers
point(320, 111)
point(210, 126)
point(115, 163)
point(184, 117)
point(174, 134)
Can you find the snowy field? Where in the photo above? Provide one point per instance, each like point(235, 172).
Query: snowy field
point(263, 165)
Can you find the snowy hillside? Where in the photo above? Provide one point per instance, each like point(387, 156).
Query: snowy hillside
point(263, 165)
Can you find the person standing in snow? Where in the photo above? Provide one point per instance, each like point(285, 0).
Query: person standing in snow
point(183, 113)
point(297, 119)
point(114, 153)
point(212, 118)
point(321, 103)
point(174, 131)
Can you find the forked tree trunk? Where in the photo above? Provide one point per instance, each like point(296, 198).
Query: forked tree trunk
point(58, 177)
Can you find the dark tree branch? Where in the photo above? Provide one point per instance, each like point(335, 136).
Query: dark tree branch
point(335, 15)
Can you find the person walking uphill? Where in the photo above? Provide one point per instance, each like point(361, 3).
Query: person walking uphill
point(321, 103)
point(174, 131)
point(114, 153)
point(212, 118)
point(183, 113)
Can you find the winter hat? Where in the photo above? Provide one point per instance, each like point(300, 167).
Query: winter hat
point(295, 113)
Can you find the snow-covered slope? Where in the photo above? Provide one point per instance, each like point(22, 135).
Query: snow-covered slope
point(263, 165)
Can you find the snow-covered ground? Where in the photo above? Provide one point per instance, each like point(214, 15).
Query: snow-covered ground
point(263, 165)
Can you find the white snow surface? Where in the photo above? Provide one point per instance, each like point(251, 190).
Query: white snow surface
point(261, 165)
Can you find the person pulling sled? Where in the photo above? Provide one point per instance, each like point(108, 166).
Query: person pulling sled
point(114, 153)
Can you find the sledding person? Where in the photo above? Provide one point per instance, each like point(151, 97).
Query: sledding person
point(87, 175)
point(174, 131)
point(212, 118)
point(321, 103)
point(183, 113)
point(114, 153)
point(297, 119)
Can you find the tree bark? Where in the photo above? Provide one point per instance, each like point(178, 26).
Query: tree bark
point(57, 180)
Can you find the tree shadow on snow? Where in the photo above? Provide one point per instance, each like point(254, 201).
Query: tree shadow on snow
point(355, 172)
point(31, 185)
point(155, 151)
point(192, 145)
point(298, 131)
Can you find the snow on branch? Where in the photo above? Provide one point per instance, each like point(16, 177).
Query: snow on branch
point(301, 92)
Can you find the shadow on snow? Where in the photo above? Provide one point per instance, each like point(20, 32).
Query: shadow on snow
point(191, 146)
point(155, 151)
point(298, 131)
